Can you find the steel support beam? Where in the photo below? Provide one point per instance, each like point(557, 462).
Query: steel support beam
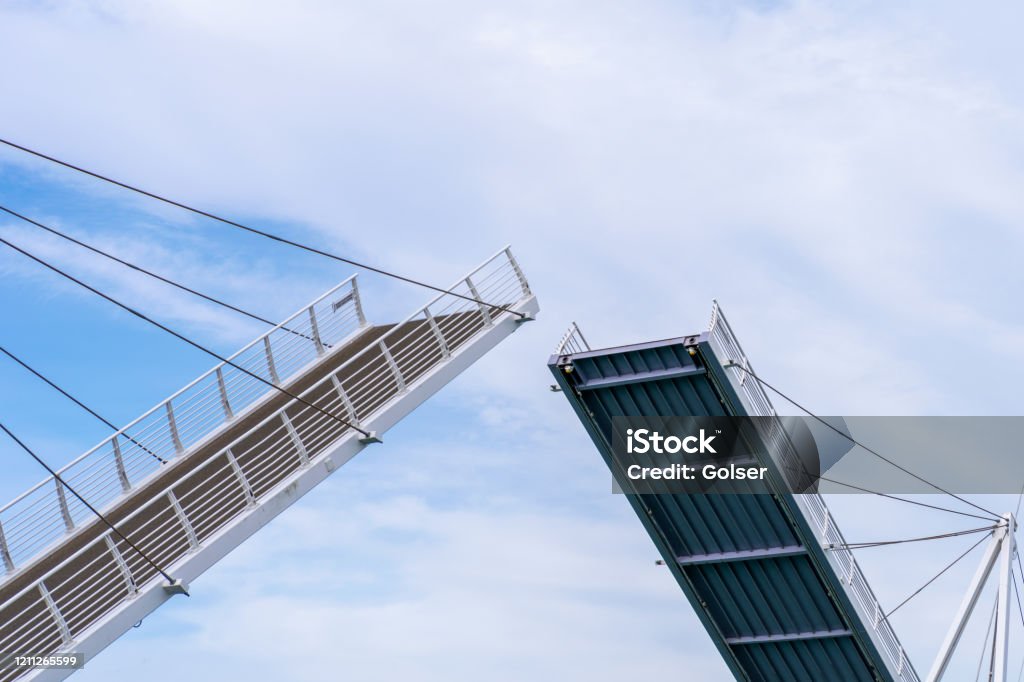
point(963, 614)
point(746, 555)
point(788, 637)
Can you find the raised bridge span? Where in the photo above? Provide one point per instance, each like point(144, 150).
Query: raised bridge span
point(777, 606)
point(192, 478)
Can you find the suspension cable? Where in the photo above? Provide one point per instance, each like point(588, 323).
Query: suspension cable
point(76, 401)
point(57, 477)
point(886, 543)
point(861, 445)
point(989, 630)
point(262, 233)
point(1016, 591)
point(154, 275)
point(194, 344)
point(904, 499)
point(803, 469)
point(937, 575)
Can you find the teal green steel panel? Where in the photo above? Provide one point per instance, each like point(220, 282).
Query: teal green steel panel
point(773, 618)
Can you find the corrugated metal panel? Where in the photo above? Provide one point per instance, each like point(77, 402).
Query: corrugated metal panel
point(753, 574)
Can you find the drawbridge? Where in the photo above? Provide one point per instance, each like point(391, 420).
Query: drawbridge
point(777, 606)
point(191, 479)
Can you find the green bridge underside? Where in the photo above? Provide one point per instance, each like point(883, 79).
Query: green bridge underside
point(749, 564)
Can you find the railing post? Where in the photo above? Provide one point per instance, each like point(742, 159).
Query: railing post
point(445, 352)
point(62, 499)
point(479, 301)
point(224, 402)
point(122, 474)
point(250, 498)
point(122, 565)
point(349, 407)
point(270, 361)
point(358, 303)
point(5, 552)
point(519, 273)
point(190, 533)
point(316, 332)
point(393, 365)
point(62, 625)
point(294, 434)
point(175, 437)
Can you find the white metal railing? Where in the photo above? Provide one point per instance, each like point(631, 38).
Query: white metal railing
point(45, 513)
point(728, 349)
point(83, 587)
point(572, 341)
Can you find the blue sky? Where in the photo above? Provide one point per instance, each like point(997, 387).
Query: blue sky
point(843, 177)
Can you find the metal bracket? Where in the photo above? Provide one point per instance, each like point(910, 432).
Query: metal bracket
point(178, 586)
point(371, 438)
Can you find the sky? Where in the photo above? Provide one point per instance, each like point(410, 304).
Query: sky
point(843, 177)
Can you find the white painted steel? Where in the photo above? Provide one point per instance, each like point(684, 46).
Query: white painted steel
point(1001, 655)
point(43, 515)
point(113, 590)
point(1001, 547)
point(572, 342)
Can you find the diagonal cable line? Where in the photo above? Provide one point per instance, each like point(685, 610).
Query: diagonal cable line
point(1016, 591)
point(858, 443)
point(904, 499)
point(154, 275)
point(81, 499)
point(886, 543)
point(935, 577)
point(803, 469)
point(253, 230)
point(76, 401)
point(182, 337)
point(989, 630)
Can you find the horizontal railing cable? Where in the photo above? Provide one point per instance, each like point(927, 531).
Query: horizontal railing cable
point(81, 499)
point(182, 337)
point(253, 230)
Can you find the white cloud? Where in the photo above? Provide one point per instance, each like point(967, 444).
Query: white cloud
point(844, 179)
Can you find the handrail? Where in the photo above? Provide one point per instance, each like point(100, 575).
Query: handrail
point(281, 451)
point(21, 515)
point(572, 341)
point(34, 521)
point(728, 347)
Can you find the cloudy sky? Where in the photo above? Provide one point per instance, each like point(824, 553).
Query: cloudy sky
point(844, 177)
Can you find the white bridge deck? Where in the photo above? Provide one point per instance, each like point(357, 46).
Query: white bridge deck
point(195, 476)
